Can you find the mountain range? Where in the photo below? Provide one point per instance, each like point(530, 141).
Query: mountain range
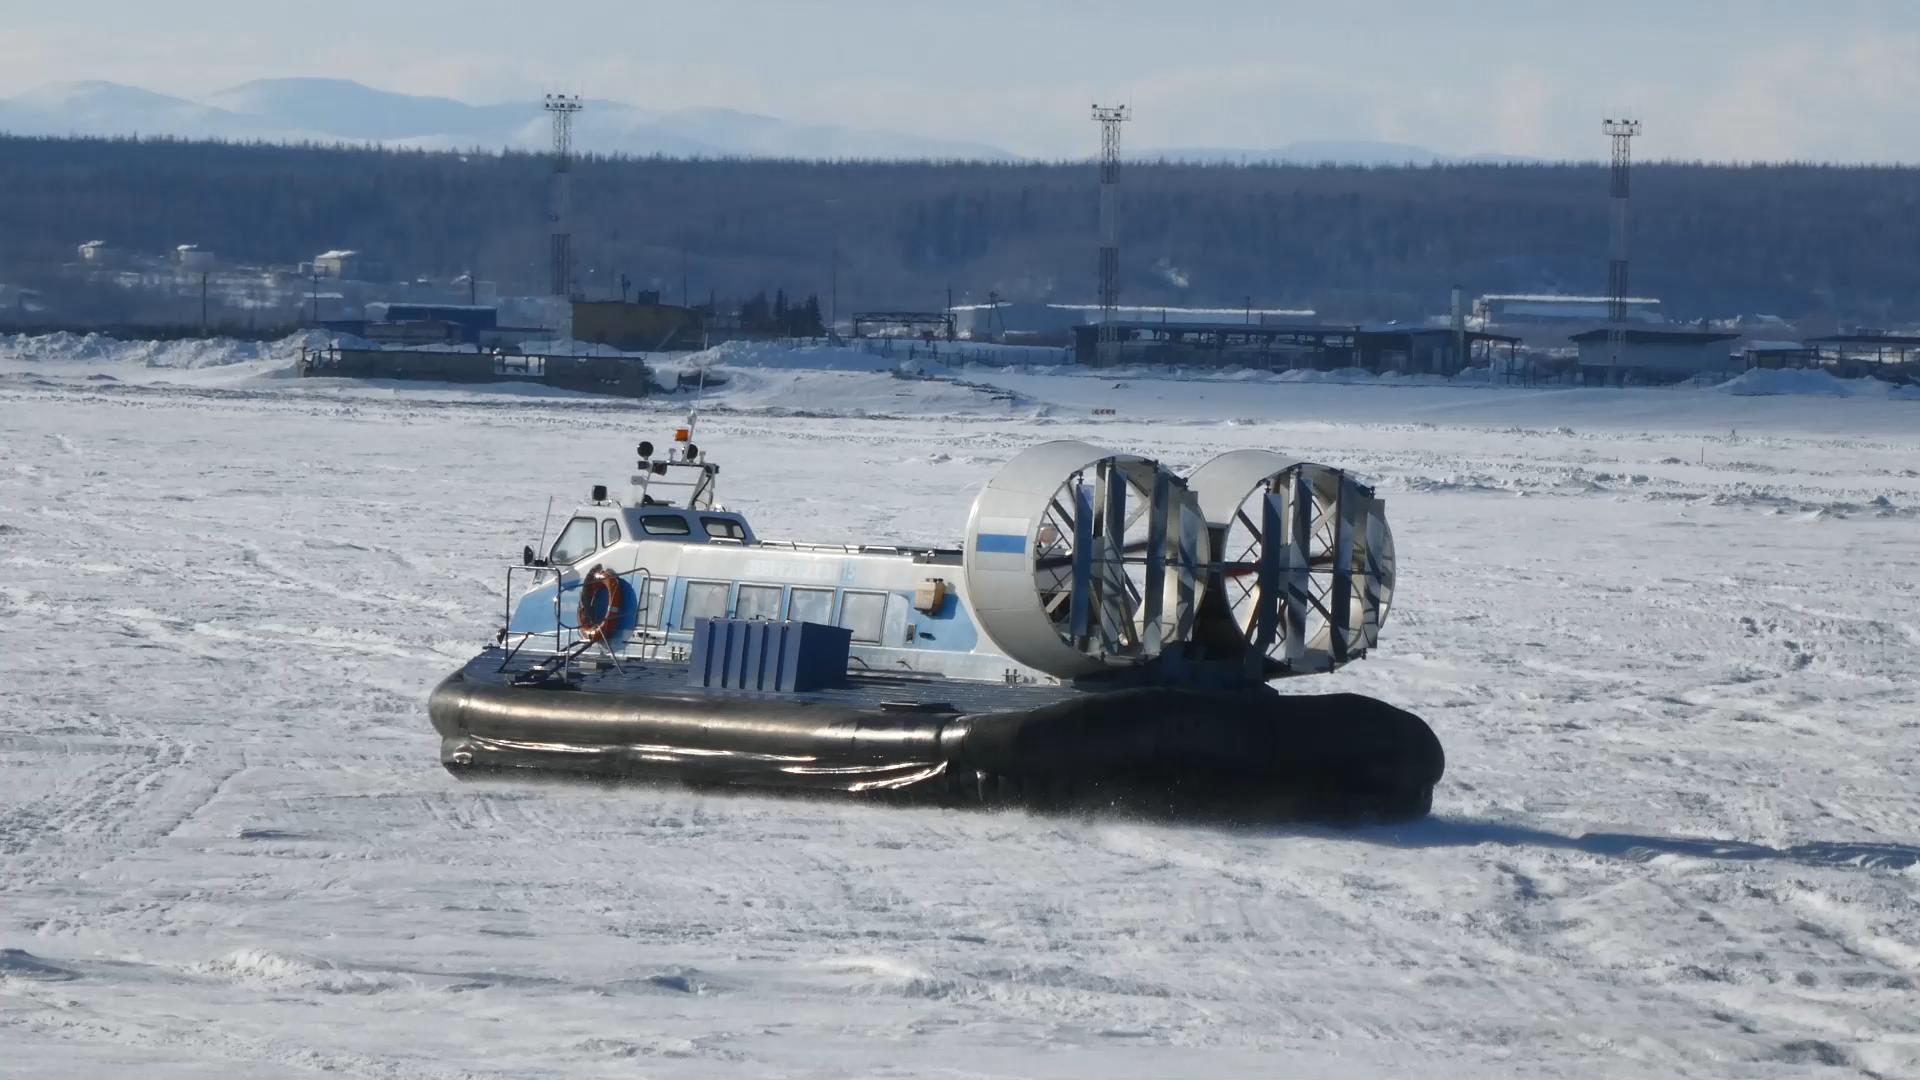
point(343, 111)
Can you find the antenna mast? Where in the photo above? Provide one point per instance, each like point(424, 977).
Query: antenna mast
point(562, 107)
point(1109, 117)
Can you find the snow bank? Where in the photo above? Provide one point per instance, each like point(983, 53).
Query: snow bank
point(784, 378)
point(752, 376)
point(185, 353)
point(873, 354)
point(986, 352)
point(1814, 383)
point(781, 354)
point(1361, 376)
point(23, 965)
point(1752, 383)
point(287, 971)
point(566, 346)
point(862, 393)
point(227, 359)
point(1339, 376)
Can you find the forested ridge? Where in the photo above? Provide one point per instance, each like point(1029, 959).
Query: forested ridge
point(1790, 239)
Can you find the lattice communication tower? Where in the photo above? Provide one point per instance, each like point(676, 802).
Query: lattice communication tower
point(562, 107)
point(1622, 132)
point(1109, 117)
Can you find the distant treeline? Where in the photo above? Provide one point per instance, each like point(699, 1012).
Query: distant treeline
point(1353, 242)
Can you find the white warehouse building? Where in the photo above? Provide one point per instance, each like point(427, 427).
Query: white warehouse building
point(1510, 308)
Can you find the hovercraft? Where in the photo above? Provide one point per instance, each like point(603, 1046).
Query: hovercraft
point(1106, 635)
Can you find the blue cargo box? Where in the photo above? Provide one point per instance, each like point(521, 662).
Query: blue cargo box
point(774, 657)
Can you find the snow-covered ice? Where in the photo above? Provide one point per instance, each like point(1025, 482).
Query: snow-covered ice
point(1668, 638)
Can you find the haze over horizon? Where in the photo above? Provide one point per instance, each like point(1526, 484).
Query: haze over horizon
point(1719, 81)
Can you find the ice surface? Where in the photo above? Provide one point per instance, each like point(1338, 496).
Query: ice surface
point(1668, 638)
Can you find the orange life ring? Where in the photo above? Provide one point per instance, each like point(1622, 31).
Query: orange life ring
point(598, 615)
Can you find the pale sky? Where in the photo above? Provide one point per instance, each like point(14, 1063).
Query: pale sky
point(1815, 79)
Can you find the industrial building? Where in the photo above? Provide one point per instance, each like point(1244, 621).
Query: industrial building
point(1613, 356)
point(1432, 350)
point(1893, 357)
point(1881, 355)
point(191, 257)
point(423, 323)
point(1516, 308)
point(405, 324)
point(1274, 347)
point(641, 326)
point(98, 253)
point(1032, 320)
point(926, 325)
point(343, 264)
point(1280, 347)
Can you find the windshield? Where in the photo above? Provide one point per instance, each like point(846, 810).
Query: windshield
point(577, 541)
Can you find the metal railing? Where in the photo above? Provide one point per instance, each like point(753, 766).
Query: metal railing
point(643, 642)
point(851, 549)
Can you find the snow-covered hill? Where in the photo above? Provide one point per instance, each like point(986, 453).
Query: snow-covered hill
point(351, 110)
point(104, 108)
point(340, 110)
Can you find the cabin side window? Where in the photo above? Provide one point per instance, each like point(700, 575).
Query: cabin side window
point(723, 528)
point(757, 602)
point(577, 541)
point(705, 600)
point(811, 605)
point(665, 525)
point(862, 612)
point(609, 533)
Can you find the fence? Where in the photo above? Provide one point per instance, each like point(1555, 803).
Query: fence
point(957, 353)
point(623, 376)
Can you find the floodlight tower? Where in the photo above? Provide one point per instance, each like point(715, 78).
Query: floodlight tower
point(1109, 117)
point(562, 107)
point(1622, 132)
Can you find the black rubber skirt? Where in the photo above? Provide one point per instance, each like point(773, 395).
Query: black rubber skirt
point(1254, 755)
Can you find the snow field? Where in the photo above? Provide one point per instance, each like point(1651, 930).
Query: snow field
point(1667, 638)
